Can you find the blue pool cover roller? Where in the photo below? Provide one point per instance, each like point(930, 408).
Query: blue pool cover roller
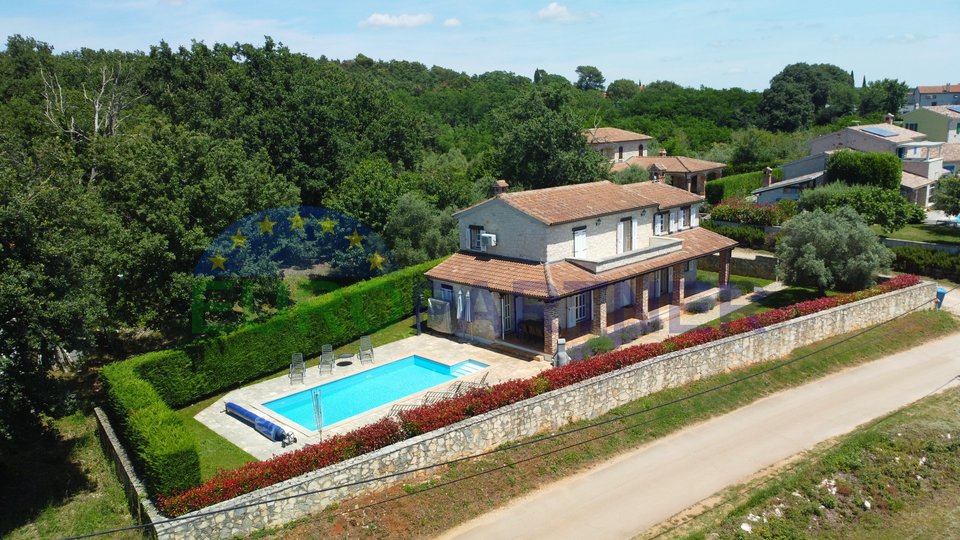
point(261, 424)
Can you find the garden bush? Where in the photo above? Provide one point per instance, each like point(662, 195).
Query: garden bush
point(228, 484)
point(865, 168)
point(737, 185)
point(600, 344)
point(927, 262)
point(745, 235)
point(729, 293)
point(702, 305)
point(763, 215)
point(876, 205)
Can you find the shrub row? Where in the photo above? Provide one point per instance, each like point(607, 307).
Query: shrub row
point(229, 484)
point(927, 262)
point(762, 215)
point(737, 185)
point(745, 235)
point(143, 390)
point(865, 168)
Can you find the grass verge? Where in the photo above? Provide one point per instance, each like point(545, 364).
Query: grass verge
point(774, 300)
point(898, 477)
point(217, 453)
point(744, 283)
point(61, 486)
point(924, 233)
point(428, 508)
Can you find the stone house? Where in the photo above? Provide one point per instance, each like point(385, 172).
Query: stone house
point(617, 144)
point(571, 261)
point(932, 96)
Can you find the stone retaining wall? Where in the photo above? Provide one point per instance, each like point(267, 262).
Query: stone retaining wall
point(551, 411)
point(141, 507)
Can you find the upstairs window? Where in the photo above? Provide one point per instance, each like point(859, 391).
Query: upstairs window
point(620, 153)
point(475, 232)
point(580, 242)
point(660, 223)
point(684, 217)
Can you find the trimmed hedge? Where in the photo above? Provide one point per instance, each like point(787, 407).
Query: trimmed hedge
point(737, 185)
point(865, 168)
point(142, 391)
point(745, 235)
point(228, 484)
point(763, 215)
point(166, 452)
point(182, 376)
point(927, 262)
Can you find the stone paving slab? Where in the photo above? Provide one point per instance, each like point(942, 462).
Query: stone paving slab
point(443, 350)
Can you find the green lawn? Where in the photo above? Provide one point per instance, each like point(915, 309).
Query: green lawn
point(307, 287)
point(61, 484)
point(744, 283)
point(779, 299)
point(217, 453)
point(879, 464)
point(435, 509)
point(924, 233)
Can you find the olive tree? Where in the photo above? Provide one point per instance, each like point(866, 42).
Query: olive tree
point(835, 250)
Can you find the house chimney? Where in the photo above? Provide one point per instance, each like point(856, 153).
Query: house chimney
point(663, 152)
point(888, 118)
point(767, 176)
point(500, 186)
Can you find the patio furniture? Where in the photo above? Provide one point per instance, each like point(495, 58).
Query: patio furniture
point(298, 368)
point(463, 387)
point(400, 407)
point(326, 359)
point(344, 359)
point(366, 350)
point(433, 397)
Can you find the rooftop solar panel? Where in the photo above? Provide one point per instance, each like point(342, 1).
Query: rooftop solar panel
point(880, 131)
point(954, 109)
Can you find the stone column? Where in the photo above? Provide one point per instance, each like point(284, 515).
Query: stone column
point(598, 325)
point(678, 283)
point(641, 297)
point(551, 326)
point(724, 269)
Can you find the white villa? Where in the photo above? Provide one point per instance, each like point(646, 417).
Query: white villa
point(569, 261)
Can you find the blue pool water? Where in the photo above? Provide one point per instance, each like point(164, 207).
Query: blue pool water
point(359, 393)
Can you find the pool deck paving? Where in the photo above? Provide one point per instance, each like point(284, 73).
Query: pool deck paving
point(439, 349)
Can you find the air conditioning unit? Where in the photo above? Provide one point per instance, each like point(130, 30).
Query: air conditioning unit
point(488, 240)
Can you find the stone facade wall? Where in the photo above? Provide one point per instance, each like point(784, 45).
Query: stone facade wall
point(518, 235)
point(298, 497)
point(762, 266)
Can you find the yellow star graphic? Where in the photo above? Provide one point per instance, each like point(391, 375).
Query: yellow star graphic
point(355, 239)
point(266, 226)
point(376, 260)
point(327, 225)
point(217, 262)
point(239, 240)
point(296, 222)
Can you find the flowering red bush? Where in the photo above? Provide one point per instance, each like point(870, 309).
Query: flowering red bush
point(228, 484)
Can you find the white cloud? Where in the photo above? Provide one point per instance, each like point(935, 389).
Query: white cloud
point(397, 21)
point(452, 23)
point(556, 12)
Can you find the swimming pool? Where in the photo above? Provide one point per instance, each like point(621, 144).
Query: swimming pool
point(369, 389)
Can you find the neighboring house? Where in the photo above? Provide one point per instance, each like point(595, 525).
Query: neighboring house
point(686, 173)
point(922, 160)
point(771, 192)
point(951, 157)
point(932, 96)
point(535, 265)
point(940, 123)
point(617, 144)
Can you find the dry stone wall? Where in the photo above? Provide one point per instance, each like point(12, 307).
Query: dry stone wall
point(298, 497)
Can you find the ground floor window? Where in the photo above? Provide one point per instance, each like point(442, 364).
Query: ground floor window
point(581, 304)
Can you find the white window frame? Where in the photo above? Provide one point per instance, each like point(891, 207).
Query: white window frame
point(476, 244)
point(622, 234)
point(581, 306)
point(659, 223)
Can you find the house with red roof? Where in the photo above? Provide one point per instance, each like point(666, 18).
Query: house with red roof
point(571, 262)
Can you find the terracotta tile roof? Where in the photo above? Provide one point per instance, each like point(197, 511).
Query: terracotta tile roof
point(670, 164)
point(941, 89)
point(951, 152)
point(610, 134)
point(563, 278)
point(575, 202)
point(915, 181)
point(497, 274)
point(902, 134)
point(666, 196)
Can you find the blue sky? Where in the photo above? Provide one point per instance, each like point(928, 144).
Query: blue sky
point(721, 43)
